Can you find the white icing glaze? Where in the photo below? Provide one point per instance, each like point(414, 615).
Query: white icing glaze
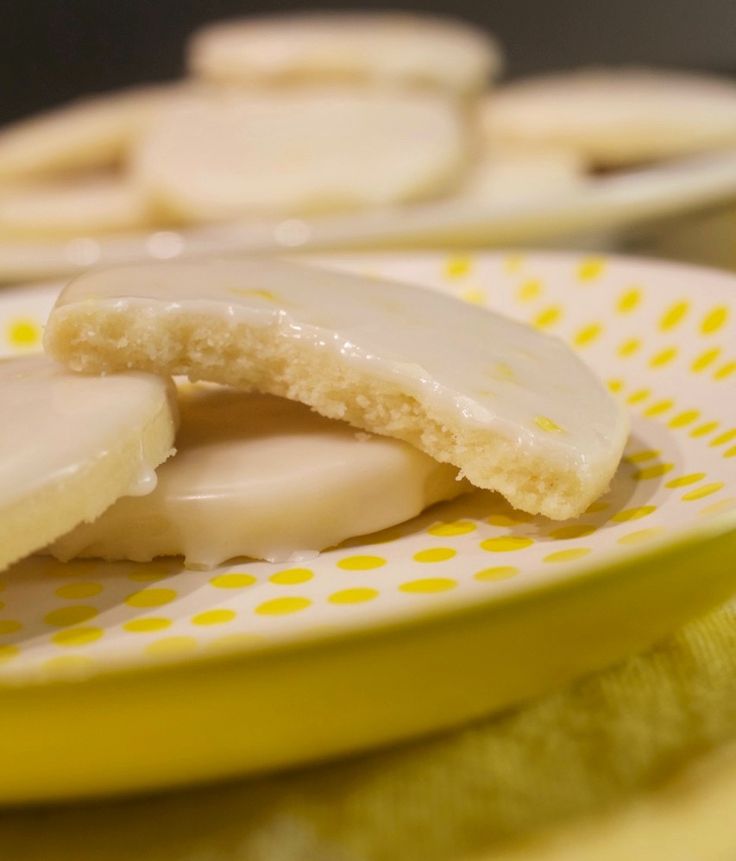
point(261, 476)
point(463, 361)
point(221, 155)
point(55, 423)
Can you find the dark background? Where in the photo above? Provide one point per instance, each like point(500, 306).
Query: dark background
point(53, 50)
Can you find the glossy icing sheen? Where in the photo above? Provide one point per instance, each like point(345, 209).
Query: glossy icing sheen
point(465, 363)
point(55, 423)
point(261, 476)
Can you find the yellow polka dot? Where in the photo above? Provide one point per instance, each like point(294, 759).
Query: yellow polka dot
point(701, 492)
point(548, 317)
point(83, 589)
point(146, 624)
point(353, 596)
point(704, 429)
point(595, 507)
point(725, 371)
point(723, 438)
point(588, 334)
point(730, 452)
point(24, 333)
point(529, 290)
point(705, 359)
point(435, 554)
point(641, 536)
point(513, 263)
point(628, 300)
point(428, 584)
point(171, 646)
point(655, 471)
point(65, 616)
point(456, 527)
point(500, 572)
point(68, 663)
point(615, 385)
point(591, 268)
point(214, 617)
point(8, 651)
point(546, 424)
point(659, 408)
point(361, 563)
point(459, 266)
point(508, 519)
point(721, 507)
point(151, 598)
point(684, 480)
point(633, 513)
point(232, 580)
point(568, 555)
point(714, 320)
point(283, 606)
point(628, 347)
point(638, 396)
point(640, 456)
point(474, 297)
point(685, 418)
point(574, 530)
point(9, 626)
point(506, 543)
point(290, 576)
point(673, 316)
point(77, 636)
point(663, 357)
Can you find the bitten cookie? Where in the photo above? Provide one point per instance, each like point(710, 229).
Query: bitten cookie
point(515, 410)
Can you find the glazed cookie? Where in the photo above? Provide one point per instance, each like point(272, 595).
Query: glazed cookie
point(90, 206)
point(376, 48)
point(267, 478)
point(87, 134)
point(510, 176)
point(616, 117)
point(216, 156)
point(71, 445)
point(515, 410)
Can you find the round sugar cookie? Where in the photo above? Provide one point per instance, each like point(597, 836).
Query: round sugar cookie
point(616, 116)
point(86, 134)
point(517, 411)
point(507, 176)
point(71, 445)
point(88, 206)
point(265, 477)
point(222, 155)
point(376, 48)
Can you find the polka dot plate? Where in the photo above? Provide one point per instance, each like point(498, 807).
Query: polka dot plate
point(603, 209)
point(121, 677)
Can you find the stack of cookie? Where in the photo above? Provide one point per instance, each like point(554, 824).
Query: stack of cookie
point(300, 116)
point(416, 397)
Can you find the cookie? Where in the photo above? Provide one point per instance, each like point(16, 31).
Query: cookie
point(217, 156)
point(89, 206)
point(376, 48)
point(267, 478)
point(507, 176)
point(616, 116)
point(514, 409)
point(87, 134)
point(71, 445)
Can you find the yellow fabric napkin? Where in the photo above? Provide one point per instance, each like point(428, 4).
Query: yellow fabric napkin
point(485, 792)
